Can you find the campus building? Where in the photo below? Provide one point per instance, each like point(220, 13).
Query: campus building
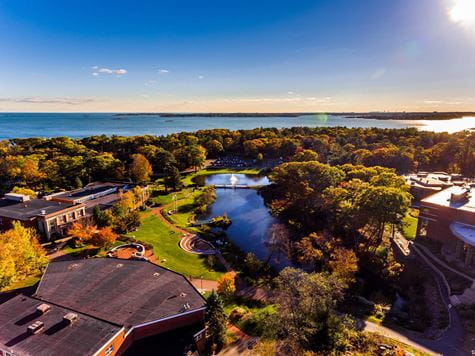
point(48, 217)
point(102, 306)
point(53, 214)
point(448, 217)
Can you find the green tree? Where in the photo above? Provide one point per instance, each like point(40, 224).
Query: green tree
point(172, 178)
point(215, 321)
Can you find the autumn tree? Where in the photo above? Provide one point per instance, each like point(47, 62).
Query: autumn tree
point(81, 232)
point(22, 255)
point(344, 264)
point(306, 311)
point(104, 237)
point(140, 169)
point(305, 156)
point(226, 285)
point(24, 191)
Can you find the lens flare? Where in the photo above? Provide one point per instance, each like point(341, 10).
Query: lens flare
point(463, 13)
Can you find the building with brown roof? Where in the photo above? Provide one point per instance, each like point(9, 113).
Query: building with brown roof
point(48, 217)
point(448, 217)
point(99, 307)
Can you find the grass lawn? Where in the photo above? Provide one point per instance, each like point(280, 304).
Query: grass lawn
point(410, 225)
point(165, 247)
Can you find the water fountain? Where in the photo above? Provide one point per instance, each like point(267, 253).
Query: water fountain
point(233, 180)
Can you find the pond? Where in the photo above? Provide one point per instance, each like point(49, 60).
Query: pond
point(250, 217)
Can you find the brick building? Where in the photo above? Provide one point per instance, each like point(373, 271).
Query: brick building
point(100, 306)
point(448, 217)
point(48, 217)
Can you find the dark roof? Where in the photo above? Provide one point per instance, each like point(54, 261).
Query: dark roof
point(124, 292)
point(83, 337)
point(90, 189)
point(30, 208)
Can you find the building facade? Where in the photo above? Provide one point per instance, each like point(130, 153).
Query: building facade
point(448, 217)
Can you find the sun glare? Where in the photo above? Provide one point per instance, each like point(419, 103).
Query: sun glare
point(463, 12)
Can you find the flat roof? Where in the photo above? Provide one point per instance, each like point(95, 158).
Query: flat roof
point(124, 292)
point(442, 198)
point(30, 208)
point(464, 232)
point(90, 189)
point(83, 337)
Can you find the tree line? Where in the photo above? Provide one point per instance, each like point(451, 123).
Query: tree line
point(62, 162)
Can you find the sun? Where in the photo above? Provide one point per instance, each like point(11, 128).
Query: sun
point(463, 13)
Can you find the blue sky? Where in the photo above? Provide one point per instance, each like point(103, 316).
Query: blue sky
point(335, 55)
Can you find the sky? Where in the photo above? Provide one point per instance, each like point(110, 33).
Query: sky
point(237, 56)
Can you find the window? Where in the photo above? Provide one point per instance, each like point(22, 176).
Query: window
point(71, 216)
point(110, 349)
point(81, 212)
point(62, 218)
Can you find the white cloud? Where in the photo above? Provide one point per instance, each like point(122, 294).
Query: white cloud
point(444, 102)
point(200, 77)
point(47, 100)
point(150, 82)
point(290, 92)
point(118, 72)
point(146, 96)
point(163, 71)
point(315, 100)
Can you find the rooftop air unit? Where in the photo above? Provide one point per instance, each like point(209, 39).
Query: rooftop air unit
point(43, 308)
point(36, 327)
point(70, 318)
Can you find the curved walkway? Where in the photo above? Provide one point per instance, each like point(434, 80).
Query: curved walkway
point(189, 242)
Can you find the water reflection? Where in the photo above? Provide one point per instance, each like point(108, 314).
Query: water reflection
point(251, 220)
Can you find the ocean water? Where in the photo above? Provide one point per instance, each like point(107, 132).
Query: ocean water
point(22, 125)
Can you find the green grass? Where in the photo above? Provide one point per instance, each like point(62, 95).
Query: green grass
point(410, 226)
point(188, 179)
point(165, 247)
point(167, 198)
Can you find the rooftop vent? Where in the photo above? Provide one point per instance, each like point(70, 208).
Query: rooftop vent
point(43, 308)
point(186, 306)
point(183, 294)
point(459, 197)
point(17, 197)
point(119, 265)
point(36, 327)
point(43, 212)
point(156, 274)
point(70, 318)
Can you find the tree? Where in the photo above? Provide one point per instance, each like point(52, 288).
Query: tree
point(104, 237)
point(344, 264)
point(140, 169)
point(306, 309)
point(172, 177)
point(22, 255)
point(102, 217)
point(215, 321)
point(83, 233)
point(226, 285)
point(24, 191)
point(305, 156)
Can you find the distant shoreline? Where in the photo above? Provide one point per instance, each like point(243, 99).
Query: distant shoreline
point(353, 115)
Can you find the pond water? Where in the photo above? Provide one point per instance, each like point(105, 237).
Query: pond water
point(250, 217)
point(250, 180)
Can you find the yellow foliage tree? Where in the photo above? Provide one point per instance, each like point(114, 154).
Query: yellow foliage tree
point(344, 264)
point(226, 285)
point(25, 191)
point(22, 255)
